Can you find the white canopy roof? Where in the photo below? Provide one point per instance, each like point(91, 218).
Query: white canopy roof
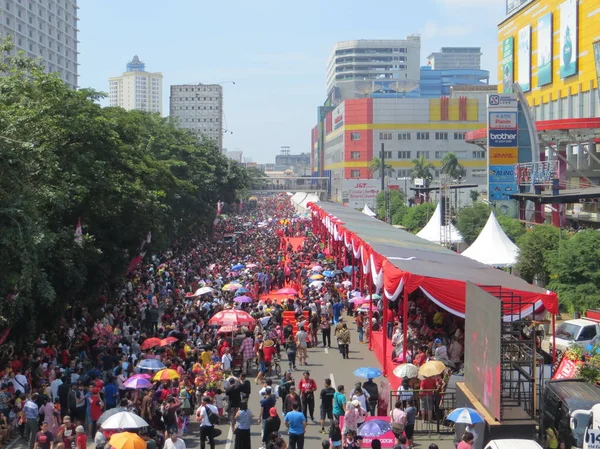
point(367, 211)
point(492, 246)
point(301, 199)
point(433, 229)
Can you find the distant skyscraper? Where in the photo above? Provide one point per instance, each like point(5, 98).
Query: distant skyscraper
point(456, 58)
point(199, 108)
point(45, 29)
point(136, 88)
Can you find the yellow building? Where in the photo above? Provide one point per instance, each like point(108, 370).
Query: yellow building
point(548, 47)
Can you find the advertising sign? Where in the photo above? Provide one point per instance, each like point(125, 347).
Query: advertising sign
point(360, 192)
point(503, 120)
point(524, 61)
point(596, 47)
point(501, 191)
point(567, 369)
point(503, 156)
point(508, 103)
point(501, 173)
point(568, 38)
point(544, 50)
point(503, 138)
point(508, 50)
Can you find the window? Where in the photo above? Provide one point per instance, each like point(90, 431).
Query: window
point(403, 136)
point(385, 136)
point(355, 155)
point(587, 333)
point(355, 173)
point(459, 136)
point(439, 154)
point(425, 154)
point(441, 136)
point(422, 136)
point(354, 136)
point(403, 154)
point(478, 154)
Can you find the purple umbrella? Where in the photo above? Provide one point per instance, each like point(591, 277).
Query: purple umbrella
point(242, 299)
point(141, 376)
point(137, 383)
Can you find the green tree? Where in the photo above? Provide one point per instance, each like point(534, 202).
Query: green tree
point(474, 195)
point(471, 220)
point(417, 217)
point(536, 248)
point(452, 167)
point(512, 227)
point(375, 167)
point(421, 169)
point(575, 271)
point(398, 206)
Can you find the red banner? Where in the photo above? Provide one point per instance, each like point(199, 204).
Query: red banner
point(567, 369)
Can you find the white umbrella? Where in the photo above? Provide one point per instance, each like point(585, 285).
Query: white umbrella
point(406, 370)
point(347, 283)
point(124, 420)
point(203, 291)
point(318, 284)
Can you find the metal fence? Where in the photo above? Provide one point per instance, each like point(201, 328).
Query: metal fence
point(443, 404)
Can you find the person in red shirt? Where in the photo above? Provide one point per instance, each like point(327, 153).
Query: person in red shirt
point(307, 388)
point(81, 441)
point(269, 350)
point(421, 357)
point(427, 387)
point(96, 409)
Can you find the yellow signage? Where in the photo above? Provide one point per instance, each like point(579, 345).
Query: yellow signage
point(504, 156)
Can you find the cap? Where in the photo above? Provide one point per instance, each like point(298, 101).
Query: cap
point(273, 411)
point(437, 340)
point(79, 429)
point(356, 403)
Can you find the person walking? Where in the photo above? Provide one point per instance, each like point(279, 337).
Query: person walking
point(295, 421)
point(272, 425)
point(32, 414)
point(207, 429)
point(307, 387)
point(326, 407)
point(301, 343)
point(326, 330)
point(243, 423)
point(373, 391)
point(343, 337)
point(291, 349)
point(266, 403)
point(173, 442)
point(339, 403)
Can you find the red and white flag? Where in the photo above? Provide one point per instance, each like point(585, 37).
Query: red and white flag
point(219, 207)
point(149, 237)
point(79, 233)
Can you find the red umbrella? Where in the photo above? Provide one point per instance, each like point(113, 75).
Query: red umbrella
point(167, 341)
point(150, 343)
point(231, 318)
point(287, 291)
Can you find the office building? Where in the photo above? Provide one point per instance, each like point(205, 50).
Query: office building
point(299, 163)
point(136, 89)
point(199, 108)
point(358, 68)
point(235, 155)
point(456, 58)
point(45, 29)
point(438, 83)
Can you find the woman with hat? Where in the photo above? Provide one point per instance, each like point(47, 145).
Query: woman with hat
point(269, 352)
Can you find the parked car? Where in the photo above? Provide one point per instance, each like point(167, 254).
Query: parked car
point(579, 332)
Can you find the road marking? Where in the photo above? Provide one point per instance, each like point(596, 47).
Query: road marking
point(229, 438)
point(332, 381)
point(326, 350)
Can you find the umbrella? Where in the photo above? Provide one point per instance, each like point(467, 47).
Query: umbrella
point(465, 415)
point(237, 267)
point(231, 317)
point(328, 273)
point(241, 291)
point(448, 363)
point(432, 368)
point(347, 283)
point(287, 291)
point(251, 265)
point(356, 299)
point(367, 307)
point(141, 376)
point(317, 268)
point(348, 269)
point(150, 343)
point(203, 291)
point(151, 365)
point(367, 372)
point(231, 287)
point(127, 440)
point(316, 284)
point(242, 299)
point(226, 329)
point(167, 341)
point(336, 272)
point(107, 414)
point(362, 302)
point(124, 420)
point(374, 428)
point(406, 370)
point(166, 374)
point(374, 296)
point(316, 277)
point(136, 383)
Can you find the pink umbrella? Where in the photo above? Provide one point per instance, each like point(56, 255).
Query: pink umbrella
point(251, 265)
point(137, 383)
point(141, 376)
point(242, 299)
point(232, 318)
point(287, 291)
point(362, 301)
point(317, 268)
point(226, 329)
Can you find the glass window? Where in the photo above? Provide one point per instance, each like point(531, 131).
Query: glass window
point(422, 136)
point(355, 173)
point(355, 155)
point(403, 136)
point(404, 154)
point(441, 136)
point(354, 136)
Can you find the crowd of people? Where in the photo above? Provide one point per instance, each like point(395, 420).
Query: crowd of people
point(59, 393)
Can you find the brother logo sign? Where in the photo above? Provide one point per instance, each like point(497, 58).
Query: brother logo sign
point(503, 138)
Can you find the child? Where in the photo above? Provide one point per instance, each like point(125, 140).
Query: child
point(81, 438)
point(220, 400)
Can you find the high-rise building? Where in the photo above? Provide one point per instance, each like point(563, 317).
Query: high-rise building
point(199, 108)
point(456, 58)
point(136, 88)
point(358, 68)
point(45, 29)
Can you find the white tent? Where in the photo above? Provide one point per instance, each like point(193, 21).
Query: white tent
point(433, 229)
point(300, 201)
point(367, 211)
point(492, 246)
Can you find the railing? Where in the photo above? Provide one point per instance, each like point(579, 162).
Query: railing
point(443, 404)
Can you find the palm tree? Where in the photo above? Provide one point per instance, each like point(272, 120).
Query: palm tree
point(451, 167)
point(375, 166)
point(421, 169)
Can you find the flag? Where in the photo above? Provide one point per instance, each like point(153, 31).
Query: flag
point(135, 262)
point(219, 207)
point(149, 237)
point(79, 233)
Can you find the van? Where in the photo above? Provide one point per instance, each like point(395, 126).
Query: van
point(513, 444)
point(560, 399)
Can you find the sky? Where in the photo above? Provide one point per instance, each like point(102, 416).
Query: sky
point(276, 51)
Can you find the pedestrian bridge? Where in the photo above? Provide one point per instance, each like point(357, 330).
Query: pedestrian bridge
point(290, 184)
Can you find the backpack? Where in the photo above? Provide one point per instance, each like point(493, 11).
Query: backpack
point(213, 418)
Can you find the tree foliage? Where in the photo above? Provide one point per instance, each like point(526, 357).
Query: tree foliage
point(536, 249)
point(417, 217)
point(452, 167)
point(575, 271)
point(375, 167)
point(512, 227)
point(421, 169)
point(65, 158)
point(471, 220)
point(398, 206)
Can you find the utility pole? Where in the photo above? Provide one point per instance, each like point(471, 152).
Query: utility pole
point(386, 193)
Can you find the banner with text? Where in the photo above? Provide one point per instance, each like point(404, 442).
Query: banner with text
point(358, 192)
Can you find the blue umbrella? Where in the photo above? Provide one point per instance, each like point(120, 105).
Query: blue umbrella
point(465, 415)
point(241, 291)
point(348, 269)
point(374, 428)
point(151, 365)
point(328, 273)
point(237, 267)
point(367, 372)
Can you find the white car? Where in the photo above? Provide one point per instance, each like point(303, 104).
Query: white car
point(579, 332)
point(513, 444)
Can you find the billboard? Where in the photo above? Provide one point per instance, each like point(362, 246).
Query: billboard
point(503, 156)
point(568, 38)
point(503, 120)
point(482, 348)
point(508, 49)
point(503, 138)
point(524, 72)
point(359, 192)
point(596, 47)
point(544, 50)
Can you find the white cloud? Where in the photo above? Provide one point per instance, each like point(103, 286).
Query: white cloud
point(433, 29)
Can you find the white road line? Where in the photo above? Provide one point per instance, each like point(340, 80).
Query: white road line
point(229, 438)
point(332, 381)
point(326, 350)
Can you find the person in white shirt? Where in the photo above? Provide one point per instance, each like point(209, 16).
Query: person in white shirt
point(20, 382)
point(455, 350)
point(207, 430)
point(173, 442)
point(54, 387)
point(441, 352)
point(226, 360)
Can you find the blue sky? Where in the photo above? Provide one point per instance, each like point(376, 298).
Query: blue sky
point(275, 51)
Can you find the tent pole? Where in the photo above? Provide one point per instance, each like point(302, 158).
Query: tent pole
point(370, 316)
point(405, 321)
point(384, 333)
point(553, 342)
